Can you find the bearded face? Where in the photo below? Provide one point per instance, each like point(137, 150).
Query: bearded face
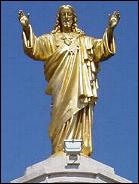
point(66, 18)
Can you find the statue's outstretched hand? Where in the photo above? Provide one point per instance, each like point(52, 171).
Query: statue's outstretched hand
point(24, 20)
point(114, 19)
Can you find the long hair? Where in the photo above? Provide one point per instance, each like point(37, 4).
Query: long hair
point(57, 27)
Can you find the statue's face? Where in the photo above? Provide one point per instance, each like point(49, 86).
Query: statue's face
point(66, 17)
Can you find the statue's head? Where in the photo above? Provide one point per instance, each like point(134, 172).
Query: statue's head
point(66, 17)
point(66, 20)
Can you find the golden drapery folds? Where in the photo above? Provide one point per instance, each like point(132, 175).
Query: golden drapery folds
point(71, 62)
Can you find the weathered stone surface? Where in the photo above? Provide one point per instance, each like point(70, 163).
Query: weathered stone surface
point(56, 170)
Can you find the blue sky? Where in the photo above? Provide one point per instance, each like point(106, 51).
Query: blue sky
point(26, 108)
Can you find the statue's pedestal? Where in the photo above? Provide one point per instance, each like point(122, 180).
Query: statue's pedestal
point(56, 170)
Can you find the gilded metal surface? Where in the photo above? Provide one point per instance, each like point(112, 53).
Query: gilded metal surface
point(71, 63)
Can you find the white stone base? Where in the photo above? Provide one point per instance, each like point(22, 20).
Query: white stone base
point(56, 170)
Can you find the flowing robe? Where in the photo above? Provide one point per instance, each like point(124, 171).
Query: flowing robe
point(71, 62)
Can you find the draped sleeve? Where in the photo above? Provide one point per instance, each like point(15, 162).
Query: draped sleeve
point(102, 48)
point(38, 48)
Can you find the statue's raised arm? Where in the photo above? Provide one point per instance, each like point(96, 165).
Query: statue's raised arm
point(105, 48)
point(112, 23)
point(33, 45)
point(24, 20)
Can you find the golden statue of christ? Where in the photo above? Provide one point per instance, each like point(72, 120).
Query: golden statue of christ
point(71, 63)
